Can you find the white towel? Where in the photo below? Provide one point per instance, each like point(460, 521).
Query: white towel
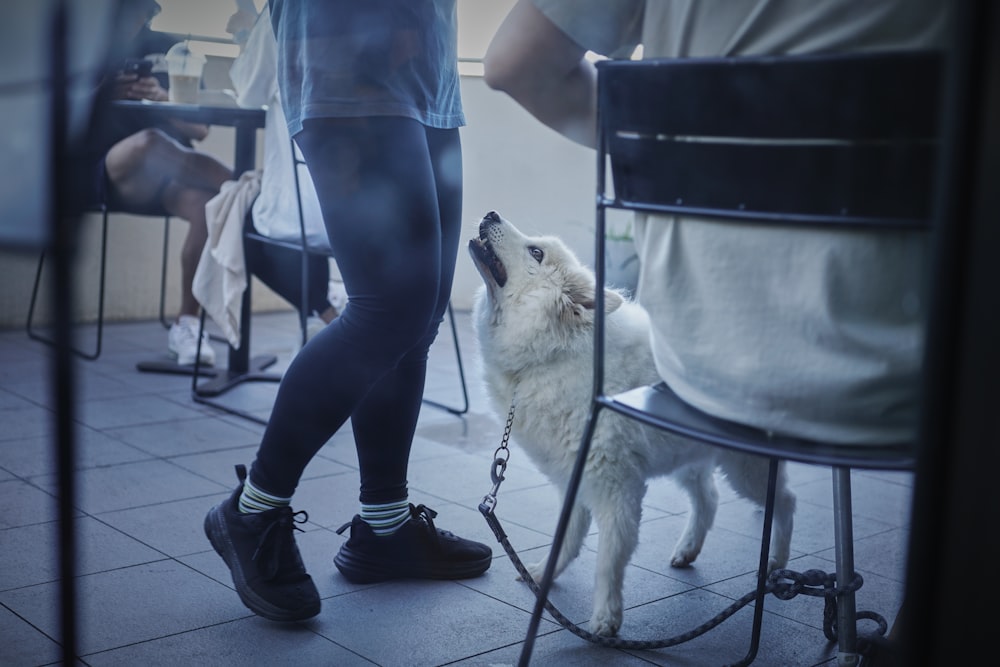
point(221, 276)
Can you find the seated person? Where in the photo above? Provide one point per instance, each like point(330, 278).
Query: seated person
point(832, 355)
point(275, 211)
point(146, 169)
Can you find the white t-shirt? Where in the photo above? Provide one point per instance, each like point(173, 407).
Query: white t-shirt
point(812, 333)
point(275, 211)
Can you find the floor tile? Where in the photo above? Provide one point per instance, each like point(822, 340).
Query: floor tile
point(247, 641)
point(133, 485)
point(22, 645)
point(130, 605)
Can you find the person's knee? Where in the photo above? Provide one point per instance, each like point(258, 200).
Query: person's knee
point(149, 140)
point(188, 204)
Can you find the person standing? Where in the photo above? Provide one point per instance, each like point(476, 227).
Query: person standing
point(371, 95)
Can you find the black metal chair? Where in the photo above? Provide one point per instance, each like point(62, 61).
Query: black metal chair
point(204, 393)
point(843, 141)
point(35, 333)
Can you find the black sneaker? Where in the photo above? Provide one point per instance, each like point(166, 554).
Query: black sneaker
point(262, 556)
point(417, 550)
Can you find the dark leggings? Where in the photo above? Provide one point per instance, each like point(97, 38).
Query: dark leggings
point(391, 194)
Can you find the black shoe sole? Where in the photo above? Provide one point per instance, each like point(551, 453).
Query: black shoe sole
point(218, 535)
point(362, 569)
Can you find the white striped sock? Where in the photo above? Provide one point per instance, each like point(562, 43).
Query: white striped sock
point(385, 519)
point(253, 500)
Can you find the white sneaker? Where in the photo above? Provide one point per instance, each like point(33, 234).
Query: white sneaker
point(182, 341)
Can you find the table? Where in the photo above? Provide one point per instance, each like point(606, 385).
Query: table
point(246, 122)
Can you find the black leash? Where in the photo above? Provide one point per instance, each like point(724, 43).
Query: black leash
point(783, 584)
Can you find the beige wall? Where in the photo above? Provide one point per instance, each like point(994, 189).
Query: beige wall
point(513, 164)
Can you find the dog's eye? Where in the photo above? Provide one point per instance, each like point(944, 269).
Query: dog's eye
point(537, 253)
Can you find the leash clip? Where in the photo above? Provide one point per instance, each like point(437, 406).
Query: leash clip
point(497, 476)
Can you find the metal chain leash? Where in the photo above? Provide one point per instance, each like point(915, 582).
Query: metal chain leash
point(783, 584)
point(500, 457)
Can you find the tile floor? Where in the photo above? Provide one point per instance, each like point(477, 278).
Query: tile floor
point(152, 592)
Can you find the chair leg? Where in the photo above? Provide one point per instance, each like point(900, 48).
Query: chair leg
point(35, 335)
point(569, 500)
point(461, 372)
point(304, 301)
point(847, 631)
point(762, 573)
point(163, 273)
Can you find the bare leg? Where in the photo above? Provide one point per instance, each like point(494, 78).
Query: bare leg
point(189, 203)
point(150, 168)
point(141, 165)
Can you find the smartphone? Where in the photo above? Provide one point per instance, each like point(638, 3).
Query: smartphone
point(140, 67)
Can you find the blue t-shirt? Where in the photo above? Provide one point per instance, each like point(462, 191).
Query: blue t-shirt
point(349, 59)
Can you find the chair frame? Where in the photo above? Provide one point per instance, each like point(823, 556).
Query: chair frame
point(95, 352)
point(655, 171)
point(202, 393)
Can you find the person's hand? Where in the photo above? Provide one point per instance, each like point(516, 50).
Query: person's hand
point(132, 87)
point(240, 24)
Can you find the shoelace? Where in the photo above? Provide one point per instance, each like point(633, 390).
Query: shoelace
point(422, 513)
point(276, 541)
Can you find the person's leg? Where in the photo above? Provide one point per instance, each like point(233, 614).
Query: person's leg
point(379, 200)
point(384, 444)
point(140, 166)
point(188, 203)
point(149, 171)
point(391, 538)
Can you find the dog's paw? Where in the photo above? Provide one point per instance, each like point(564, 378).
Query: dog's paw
point(682, 558)
point(774, 563)
point(606, 623)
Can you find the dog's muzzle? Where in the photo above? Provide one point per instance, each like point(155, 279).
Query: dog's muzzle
point(481, 248)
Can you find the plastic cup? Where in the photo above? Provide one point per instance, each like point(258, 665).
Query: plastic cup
point(184, 70)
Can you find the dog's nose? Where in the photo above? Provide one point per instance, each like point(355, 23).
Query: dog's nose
point(492, 216)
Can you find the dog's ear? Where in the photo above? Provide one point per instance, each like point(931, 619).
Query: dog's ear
point(612, 301)
point(580, 293)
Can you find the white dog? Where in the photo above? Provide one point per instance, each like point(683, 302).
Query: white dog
point(534, 322)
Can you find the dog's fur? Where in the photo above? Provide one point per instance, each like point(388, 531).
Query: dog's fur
point(534, 323)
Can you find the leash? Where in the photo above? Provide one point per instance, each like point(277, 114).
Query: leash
point(782, 583)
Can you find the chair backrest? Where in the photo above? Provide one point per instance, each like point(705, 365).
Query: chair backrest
point(742, 139)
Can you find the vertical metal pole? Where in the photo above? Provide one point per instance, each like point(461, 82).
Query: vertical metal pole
point(62, 239)
point(843, 533)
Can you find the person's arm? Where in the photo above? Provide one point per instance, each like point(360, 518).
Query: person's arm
point(545, 72)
